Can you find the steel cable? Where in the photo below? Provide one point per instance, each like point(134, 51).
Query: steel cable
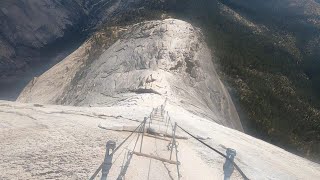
point(235, 165)
point(115, 150)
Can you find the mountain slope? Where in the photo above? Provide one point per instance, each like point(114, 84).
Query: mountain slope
point(30, 25)
point(167, 58)
point(31, 28)
point(268, 53)
point(63, 142)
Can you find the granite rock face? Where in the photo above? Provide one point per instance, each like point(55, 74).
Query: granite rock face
point(167, 58)
point(64, 142)
point(30, 25)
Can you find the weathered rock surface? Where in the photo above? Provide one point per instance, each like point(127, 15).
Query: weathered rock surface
point(32, 24)
point(63, 142)
point(167, 58)
point(150, 63)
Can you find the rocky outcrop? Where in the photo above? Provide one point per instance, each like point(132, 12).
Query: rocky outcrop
point(166, 58)
point(30, 25)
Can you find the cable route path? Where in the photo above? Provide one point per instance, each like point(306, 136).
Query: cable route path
point(157, 149)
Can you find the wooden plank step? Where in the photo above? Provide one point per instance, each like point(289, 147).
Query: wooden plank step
point(156, 158)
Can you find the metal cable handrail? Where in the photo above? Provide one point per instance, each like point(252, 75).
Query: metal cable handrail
point(235, 165)
point(115, 150)
point(168, 121)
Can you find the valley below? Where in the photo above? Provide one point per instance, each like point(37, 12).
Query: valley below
point(11, 85)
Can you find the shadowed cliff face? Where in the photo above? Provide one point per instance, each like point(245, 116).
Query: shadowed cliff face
point(35, 35)
point(31, 28)
point(27, 26)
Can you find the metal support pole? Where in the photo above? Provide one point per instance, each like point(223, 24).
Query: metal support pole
point(167, 124)
point(137, 138)
point(111, 145)
point(166, 120)
point(149, 123)
point(152, 113)
point(161, 110)
point(228, 165)
point(178, 163)
point(173, 139)
point(144, 125)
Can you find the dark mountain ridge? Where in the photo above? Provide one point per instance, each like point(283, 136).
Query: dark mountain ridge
point(268, 52)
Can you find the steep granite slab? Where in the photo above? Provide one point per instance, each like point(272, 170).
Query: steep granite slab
point(166, 58)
